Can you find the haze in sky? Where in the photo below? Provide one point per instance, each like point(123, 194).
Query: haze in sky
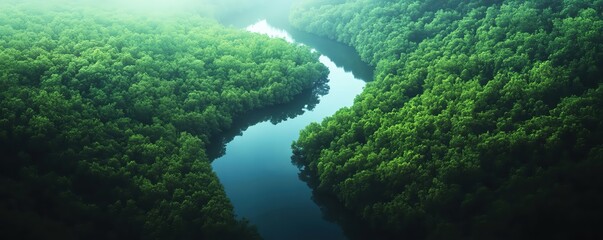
point(157, 7)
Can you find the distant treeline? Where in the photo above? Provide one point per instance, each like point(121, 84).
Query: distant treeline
point(105, 119)
point(485, 120)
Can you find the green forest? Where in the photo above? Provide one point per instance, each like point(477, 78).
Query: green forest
point(484, 121)
point(105, 117)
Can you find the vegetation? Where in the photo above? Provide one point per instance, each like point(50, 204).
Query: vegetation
point(484, 121)
point(105, 118)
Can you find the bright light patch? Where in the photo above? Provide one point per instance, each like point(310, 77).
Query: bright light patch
point(263, 27)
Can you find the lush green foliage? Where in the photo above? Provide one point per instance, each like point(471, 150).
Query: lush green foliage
point(105, 118)
point(484, 121)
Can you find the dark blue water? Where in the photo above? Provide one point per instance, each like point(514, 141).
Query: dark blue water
point(256, 170)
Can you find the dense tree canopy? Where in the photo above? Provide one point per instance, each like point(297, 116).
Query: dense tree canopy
point(105, 119)
point(484, 121)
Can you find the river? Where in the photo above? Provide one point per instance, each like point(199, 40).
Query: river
point(255, 167)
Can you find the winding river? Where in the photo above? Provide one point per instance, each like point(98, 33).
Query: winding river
point(255, 167)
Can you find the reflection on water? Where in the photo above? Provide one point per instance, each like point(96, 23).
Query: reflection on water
point(344, 56)
point(306, 101)
point(276, 16)
point(255, 166)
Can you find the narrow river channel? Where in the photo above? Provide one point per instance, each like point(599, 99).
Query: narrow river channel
point(256, 168)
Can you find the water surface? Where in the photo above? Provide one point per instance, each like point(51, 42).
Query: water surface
point(256, 170)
